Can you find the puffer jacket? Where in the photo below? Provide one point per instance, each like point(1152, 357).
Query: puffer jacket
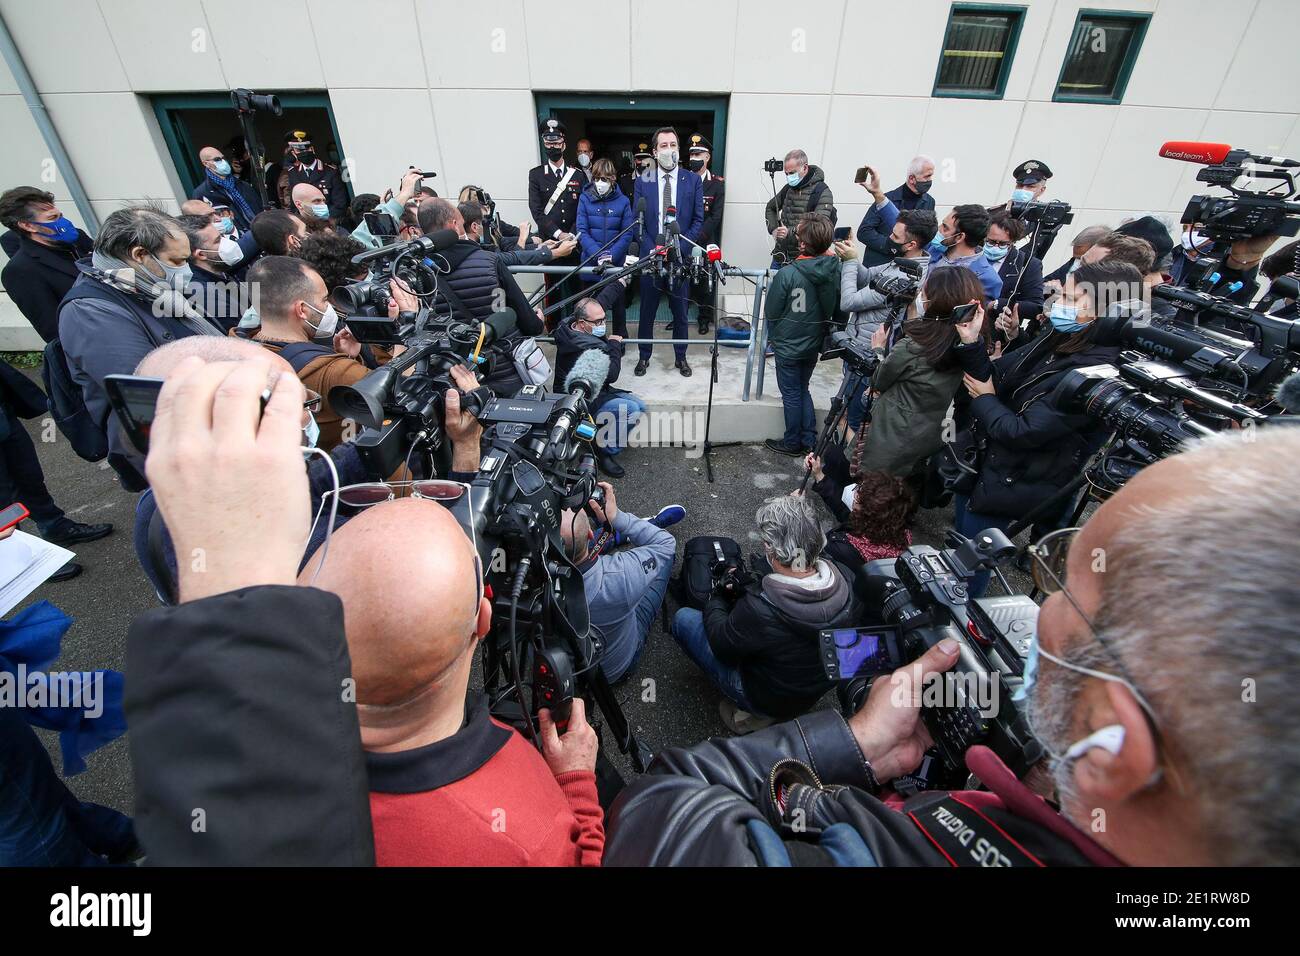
point(480, 279)
point(907, 416)
point(771, 637)
point(604, 226)
point(1033, 446)
point(867, 308)
point(790, 205)
point(712, 805)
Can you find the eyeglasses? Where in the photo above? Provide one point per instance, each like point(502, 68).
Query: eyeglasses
point(1006, 244)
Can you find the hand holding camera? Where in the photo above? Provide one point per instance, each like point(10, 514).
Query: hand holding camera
point(605, 508)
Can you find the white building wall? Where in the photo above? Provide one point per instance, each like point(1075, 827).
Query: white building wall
point(452, 83)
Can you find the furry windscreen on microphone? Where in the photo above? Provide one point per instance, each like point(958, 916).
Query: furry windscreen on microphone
point(590, 369)
point(1288, 393)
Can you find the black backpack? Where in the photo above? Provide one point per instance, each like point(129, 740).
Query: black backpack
point(68, 407)
point(694, 585)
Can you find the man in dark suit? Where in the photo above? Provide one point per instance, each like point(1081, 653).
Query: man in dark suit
point(553, 191)
point(700, 157)
point(44, 267)
point(221, 187)
point(670, 194)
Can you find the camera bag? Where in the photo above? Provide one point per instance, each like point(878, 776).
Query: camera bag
point(694, 585)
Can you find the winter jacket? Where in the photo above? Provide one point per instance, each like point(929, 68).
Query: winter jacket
point(1034, 447)
point(604, 226)
point(771, 636)
point(800, 301)
point(282, 783)
point(570, 343)
point(37, 278)
point(1029, 297)
point(789, 206)
point(907, 417)
point(875, 228)
point(867, 308)
point(711, 805)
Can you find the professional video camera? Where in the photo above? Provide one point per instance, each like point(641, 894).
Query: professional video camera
point(403, 414)
point(408, 263)
point(899, 288)
point(538, 464)
point(1246, 213)
point(923, 600)
point(1045, 215)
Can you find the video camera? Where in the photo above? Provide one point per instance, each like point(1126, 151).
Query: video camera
point(899, 288)
point(923, 594)
point(1042, 215)
point(402, 414)
point(537, 465)
point(1246, 213)
point(859, 356)
point(408, 263)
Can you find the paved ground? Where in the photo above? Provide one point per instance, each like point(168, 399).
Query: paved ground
point(683, 710)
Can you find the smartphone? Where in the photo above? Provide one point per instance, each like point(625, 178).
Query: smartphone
point(842, 233)
point(861, 175)
point(963, 313)
point(381, 224)
point(135, 399)
point(15, 513)
point(849, 652)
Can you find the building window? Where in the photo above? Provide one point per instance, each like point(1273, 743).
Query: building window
point(1100, 56)
point(978, 48)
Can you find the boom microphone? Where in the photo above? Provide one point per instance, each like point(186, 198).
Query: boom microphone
point(1212, 154)
point(1288, 394)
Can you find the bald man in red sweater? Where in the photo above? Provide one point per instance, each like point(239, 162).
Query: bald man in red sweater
point(449, 785)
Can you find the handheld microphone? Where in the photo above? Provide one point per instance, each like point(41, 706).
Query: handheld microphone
point(1213, 154)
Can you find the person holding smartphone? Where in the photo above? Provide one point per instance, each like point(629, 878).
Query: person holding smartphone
point(1033, 446)
point(914, 193)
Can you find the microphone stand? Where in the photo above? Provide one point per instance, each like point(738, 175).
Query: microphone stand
point(708, 414)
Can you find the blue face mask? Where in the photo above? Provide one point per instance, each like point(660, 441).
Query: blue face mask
point(311, 431)
point(793, 179)
point(936, 244)
point(598, 330)
point(221, 167)
point(226, 226)
point(995, 253)
point(60, 230)
point(1022, 195)
point(1065, 318)
point(320, 210)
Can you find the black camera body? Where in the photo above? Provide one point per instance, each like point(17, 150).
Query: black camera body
point(900, 287)
point(924, 594)
point(1047, 215)
point(773, 166)
point(858, 356)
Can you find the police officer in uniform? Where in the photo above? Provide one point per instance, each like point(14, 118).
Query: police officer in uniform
point(641, 161)
point(553, 191)
point(1031, 178)
point(700, 153)
point(302, 165)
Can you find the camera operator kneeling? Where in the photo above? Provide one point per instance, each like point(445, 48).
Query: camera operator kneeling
point(1033, 448)
point(760, 648)
point(1131, 691)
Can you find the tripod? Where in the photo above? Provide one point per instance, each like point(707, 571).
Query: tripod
point(841, 400)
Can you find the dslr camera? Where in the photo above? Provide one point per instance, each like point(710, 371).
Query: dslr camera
point(773, 166)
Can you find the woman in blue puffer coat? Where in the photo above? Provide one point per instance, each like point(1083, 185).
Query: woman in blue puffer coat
point(605, 228)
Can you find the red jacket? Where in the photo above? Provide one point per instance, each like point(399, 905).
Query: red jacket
point(484, 797)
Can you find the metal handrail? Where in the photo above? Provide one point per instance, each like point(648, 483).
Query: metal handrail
point(757, 327)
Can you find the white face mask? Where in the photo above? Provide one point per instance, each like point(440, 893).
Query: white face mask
point(584, 160)
point(311, 431)
point(229, 252)
point(329, 322)
point(667, 158)
point(1193, 241)
point(602, 188)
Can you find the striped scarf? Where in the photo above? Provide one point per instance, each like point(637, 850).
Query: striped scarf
point(230, 186)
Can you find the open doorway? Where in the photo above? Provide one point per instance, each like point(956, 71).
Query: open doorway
point(617, 124)
point(193, 120)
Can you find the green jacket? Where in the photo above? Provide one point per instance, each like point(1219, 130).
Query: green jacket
point(907, 417)
point(800, 302)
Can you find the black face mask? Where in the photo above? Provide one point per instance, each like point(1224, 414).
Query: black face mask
point(554, 152)
point(695, 165)
point(307, 157)
point(893, 248)
point(922, 188)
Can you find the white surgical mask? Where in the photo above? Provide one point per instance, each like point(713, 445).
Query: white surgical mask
point(584, 160)
point(311, 431)
point(667, 158)
point(1193, 241)
point(329, 322)
point(229, 251)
